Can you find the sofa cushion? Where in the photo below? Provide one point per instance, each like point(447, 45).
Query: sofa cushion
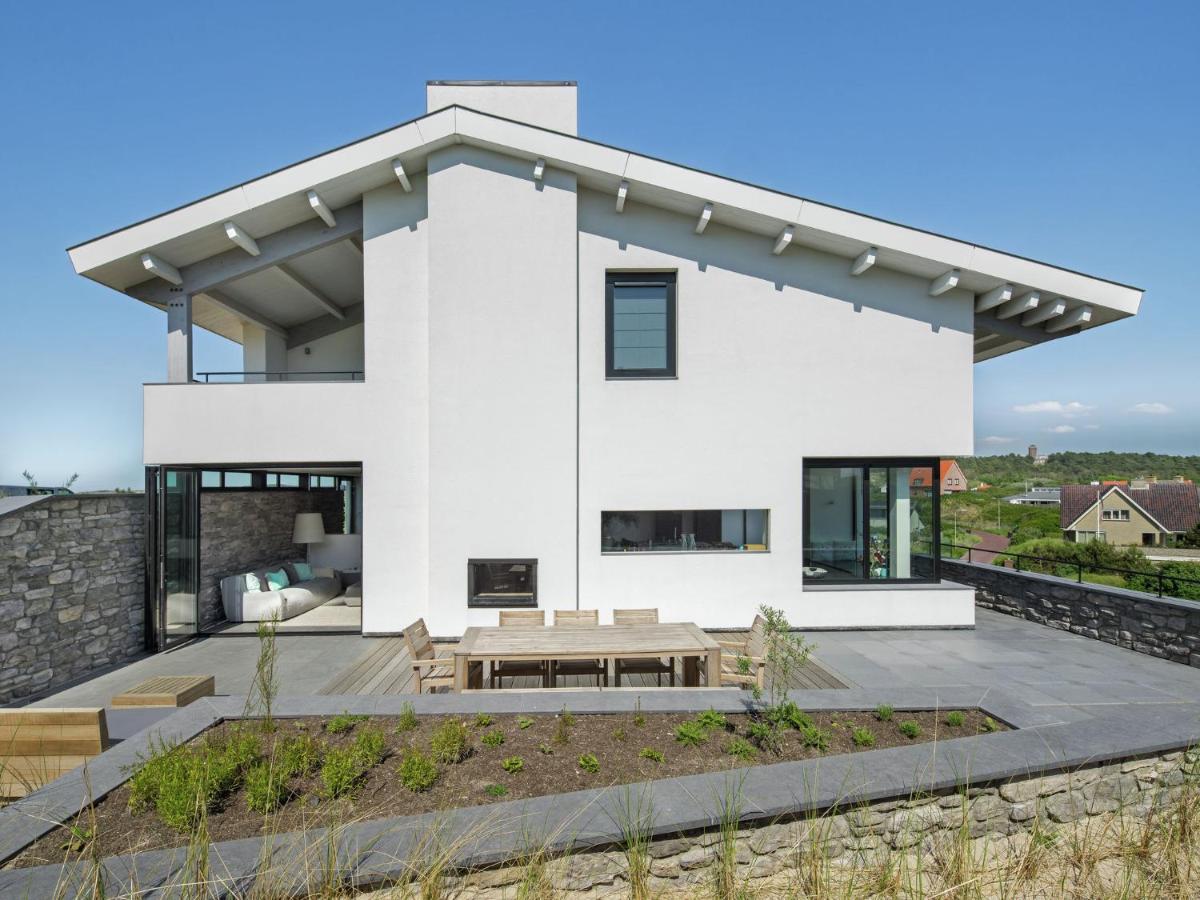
point(303, 571)
point(252, 582)
point(300, 598)
point(278, 579)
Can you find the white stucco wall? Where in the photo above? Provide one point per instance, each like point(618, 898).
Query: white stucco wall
point(341, 351)
point(502, 371)
point(779, 358)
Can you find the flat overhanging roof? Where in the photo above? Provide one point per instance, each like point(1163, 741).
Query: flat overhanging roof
point(1019, 301)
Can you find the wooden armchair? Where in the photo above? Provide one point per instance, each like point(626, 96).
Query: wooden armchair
point(517, 668)
point(754, 649)
point(583, 618)
point(650, 665)
point(430, 670)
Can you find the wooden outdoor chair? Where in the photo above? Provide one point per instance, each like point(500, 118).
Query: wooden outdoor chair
point(40, 744)
point(517, 668)
point(650, 665)
point(583, 618)
point(754, 649)
point(430, 670)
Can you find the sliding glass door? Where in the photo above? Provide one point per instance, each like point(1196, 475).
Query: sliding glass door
point(871, 520)
point(173, 555)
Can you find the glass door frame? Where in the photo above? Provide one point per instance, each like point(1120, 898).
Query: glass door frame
point(157, 636)
point(865, 465)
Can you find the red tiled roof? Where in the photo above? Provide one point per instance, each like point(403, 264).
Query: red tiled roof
point(1174, 504)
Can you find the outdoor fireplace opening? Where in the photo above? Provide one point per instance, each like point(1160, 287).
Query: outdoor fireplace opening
point(504, 583)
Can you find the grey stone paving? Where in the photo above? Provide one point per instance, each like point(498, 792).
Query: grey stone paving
point(1075, 676)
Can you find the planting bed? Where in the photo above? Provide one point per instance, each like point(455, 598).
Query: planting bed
point(538, 755)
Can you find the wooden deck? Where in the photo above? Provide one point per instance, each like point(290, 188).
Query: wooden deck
point(385, 669)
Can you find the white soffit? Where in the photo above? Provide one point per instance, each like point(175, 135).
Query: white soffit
point(279, 200)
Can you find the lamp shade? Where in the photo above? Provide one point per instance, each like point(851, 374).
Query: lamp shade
point(309, 528)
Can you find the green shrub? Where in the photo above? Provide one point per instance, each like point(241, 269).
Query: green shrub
point(989, 724)
point(546, 749)
point(344, 722)
point(863, 737)
point(524, 722)
point(299, 755)
point(370, 747)
point(690, 734)
point(711, 720)
point(909, 728)
point(567, 717)
point(651, 754)
point(788, 715)
point(407, 720)
point(767, 736)
point(741, 749)
point(639, 719)
point(816, 738)
point(884, 712)
point(266, 788)
point(955, 719)
point(482, 720)
point(450, 743)
point(619, 734)
point(493, 738)
point(513, 765)
point(589, 763)
point(341, 771)
point(562, 730)
point(495, 790)
point(417, 771)
point(184, 782)
point(147, 777)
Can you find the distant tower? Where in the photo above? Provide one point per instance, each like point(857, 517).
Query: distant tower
point(1033, 454)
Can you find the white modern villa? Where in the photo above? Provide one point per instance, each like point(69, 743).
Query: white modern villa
point(507, 366)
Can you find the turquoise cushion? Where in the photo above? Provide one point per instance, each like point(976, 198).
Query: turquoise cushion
point(252, 582)
point(277, 580)
point(303, 571)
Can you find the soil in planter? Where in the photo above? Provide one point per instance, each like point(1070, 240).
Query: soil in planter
point(549, 766)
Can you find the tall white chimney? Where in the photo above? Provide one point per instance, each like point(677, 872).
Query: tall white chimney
point(547, 104)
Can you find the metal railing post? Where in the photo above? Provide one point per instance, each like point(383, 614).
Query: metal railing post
point(1081, 573)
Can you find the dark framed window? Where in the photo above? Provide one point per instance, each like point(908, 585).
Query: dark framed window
point(686, 530)
point(501, 583)
point(639, 325)
point(871, 520)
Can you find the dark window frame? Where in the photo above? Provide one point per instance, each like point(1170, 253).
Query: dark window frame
point(611, 279)
point(865, 464)
point(475, 602)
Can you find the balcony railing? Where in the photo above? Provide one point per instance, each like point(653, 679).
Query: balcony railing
point(1150, 580)
point(234, 377)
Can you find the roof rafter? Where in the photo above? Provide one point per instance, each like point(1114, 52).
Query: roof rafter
point(276, 248)
point(311, 289)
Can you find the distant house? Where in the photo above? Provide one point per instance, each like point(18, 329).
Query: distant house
point(953, 479)
point(1038, 496)
point(1138, 513)
point(950, 475)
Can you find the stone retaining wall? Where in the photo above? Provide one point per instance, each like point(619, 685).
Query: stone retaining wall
point(1157, 626)
point(71, 589)
point(681, 863)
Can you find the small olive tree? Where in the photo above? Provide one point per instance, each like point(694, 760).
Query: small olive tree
point(785, 652)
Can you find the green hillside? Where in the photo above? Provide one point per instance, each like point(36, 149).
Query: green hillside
point(1076, 468)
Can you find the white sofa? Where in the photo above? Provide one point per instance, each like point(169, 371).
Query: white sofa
point(242, 605)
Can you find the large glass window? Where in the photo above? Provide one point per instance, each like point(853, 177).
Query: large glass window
point(666, 531)
point(870, 520)
point(640, 325)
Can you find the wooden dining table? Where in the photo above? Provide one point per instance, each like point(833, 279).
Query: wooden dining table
point(558, 642)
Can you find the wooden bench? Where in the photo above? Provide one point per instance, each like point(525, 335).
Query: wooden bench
point(38, 745)
point(167, 690)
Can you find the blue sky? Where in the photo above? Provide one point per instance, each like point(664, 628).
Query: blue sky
point(1068, 132)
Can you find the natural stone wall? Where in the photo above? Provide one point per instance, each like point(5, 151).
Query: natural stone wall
point(244, 530)
point(1157, 626)
point(72, 587)
point(684, 863)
